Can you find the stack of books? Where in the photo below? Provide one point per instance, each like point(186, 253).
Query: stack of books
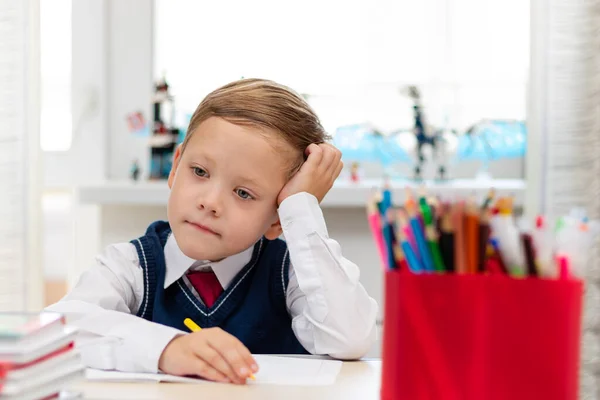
point(37, 356)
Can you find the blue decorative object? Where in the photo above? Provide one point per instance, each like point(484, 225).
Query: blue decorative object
point(493, 139)
point(363, 143)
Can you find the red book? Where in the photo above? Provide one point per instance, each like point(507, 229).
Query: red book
point(37, 358)
point(43, 377)
point(13, 370)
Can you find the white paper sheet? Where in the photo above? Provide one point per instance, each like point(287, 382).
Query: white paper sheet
point(117, 376)
point(274, 370)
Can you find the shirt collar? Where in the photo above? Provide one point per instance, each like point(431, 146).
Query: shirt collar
point(178, 264)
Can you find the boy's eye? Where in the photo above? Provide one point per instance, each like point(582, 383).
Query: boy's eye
point(243, 194)
point(199, 171)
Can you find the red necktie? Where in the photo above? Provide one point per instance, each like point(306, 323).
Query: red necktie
point(207, 285)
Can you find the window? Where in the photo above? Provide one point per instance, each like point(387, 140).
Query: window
point(352, 58)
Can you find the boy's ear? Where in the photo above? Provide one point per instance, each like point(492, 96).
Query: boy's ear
point(176, 159)
point(274, 230)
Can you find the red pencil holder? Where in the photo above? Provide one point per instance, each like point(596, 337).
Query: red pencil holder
point(480, 337)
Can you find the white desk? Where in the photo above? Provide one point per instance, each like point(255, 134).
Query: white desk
point(357, 380)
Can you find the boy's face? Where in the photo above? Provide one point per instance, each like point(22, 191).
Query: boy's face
point(224, 189)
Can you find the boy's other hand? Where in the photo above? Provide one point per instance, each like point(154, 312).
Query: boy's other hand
point(316, 176)
point(211, 354)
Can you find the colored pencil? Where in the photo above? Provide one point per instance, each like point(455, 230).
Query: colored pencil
point(471, 237)
point(417, 229)
point(414, 263)
point(484, 237)
point(447, 239)
point(458, 216)
point(374, 219)
point(527, 241)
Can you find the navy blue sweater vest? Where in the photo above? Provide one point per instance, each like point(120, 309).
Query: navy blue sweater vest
point(253, 307)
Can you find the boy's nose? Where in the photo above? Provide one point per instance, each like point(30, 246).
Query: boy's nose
point(211, 202)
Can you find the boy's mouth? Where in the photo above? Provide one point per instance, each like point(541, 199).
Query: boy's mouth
point(202, 228)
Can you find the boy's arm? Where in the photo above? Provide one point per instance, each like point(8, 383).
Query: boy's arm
point(331, 311)
point(101, 306)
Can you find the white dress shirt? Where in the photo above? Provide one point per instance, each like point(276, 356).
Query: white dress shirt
point(330, 310)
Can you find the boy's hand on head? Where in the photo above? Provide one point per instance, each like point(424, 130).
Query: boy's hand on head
point(316, 176)
point(211, 353)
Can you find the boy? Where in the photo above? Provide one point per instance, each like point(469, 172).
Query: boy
point(254, 164)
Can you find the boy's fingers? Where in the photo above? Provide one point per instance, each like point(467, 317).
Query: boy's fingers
point(331, 156)
point(338, 170)
point(314, 153)
point(312, 149)
point(338, 154)
point(247, 356)
point(216, 361)
point(327, 160)
point(203, 369)
point(228, 348)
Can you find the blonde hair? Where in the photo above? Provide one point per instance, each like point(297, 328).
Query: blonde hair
point(263, 104)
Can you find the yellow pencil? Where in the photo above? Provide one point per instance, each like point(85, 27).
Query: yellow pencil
point(192, 326)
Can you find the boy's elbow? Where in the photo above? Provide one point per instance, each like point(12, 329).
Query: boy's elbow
point(350, 355)
point(357, 347)
point(357, 343)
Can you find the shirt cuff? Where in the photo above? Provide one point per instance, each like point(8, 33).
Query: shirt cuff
point(301, 215)
point(152, 344)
